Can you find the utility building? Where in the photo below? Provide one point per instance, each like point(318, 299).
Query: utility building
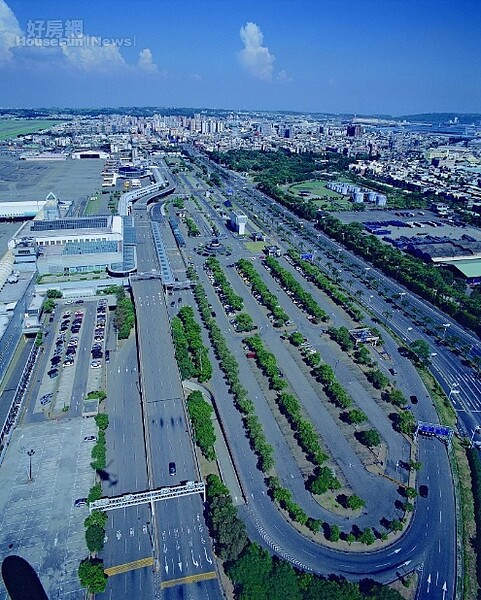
point(238, 222)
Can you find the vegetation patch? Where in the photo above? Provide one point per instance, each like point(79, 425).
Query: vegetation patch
point(200, 413)
point(11, 128)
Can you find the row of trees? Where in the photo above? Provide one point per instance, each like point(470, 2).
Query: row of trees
point(437, 286)
point(306, 435)
point(91, 569)
point(200, 413)
point(315, 275)
point(262, 292)
point(124, 318)
point(230, 368)
point(99, 451)
point(289, 405)
point(227, 294)
point(296, 290)
point(338, 395)
point(192, 229)
point(403, 420)
point(191, 354)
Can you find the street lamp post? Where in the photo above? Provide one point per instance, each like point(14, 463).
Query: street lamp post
point(453, 390)
point(476, 430)
point(30, 453)
point(445, 325)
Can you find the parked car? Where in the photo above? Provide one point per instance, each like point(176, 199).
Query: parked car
point(46, 398)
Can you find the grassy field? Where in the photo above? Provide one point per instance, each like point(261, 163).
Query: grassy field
point(10, 128)
point(316, 188)
point(318, 192)
point(255, 247)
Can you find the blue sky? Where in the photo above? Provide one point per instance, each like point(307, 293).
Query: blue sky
point(362, 56)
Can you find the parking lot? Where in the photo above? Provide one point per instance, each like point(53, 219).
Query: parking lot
point(38, 518)
point(75, 355)
point(46, 472)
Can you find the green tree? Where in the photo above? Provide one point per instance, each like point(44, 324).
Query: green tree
point(369, 438)
point(95, 493)
point(378, 379)
point(215, 487)
point(227, 529)
point(396, 397)
point(354, 502)
point(356, 416)
point(396, 525)
point(334, 533)
point(323, 481)
point(102, 421)
point(314, 525)
point(48, 305)
point(91, 575)
point(411, 492)
point(282, 582)
point(244, 322)
point(296, 338)
point(367, 537)
point(94, 537)
point(250, 573)
point(96, 517)
point(415, 465)
point(421, 350)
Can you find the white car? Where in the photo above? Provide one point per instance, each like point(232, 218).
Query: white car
point(96, 364)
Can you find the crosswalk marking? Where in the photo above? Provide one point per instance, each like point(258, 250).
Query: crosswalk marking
point(131, 566)
point(188, 579)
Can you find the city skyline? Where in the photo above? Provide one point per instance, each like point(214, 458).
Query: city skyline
point(371, 58)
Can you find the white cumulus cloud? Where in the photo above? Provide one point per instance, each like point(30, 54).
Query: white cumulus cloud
point(255, 57)
point(10, 31)
point(83, 53)
point(88, 55)
point(146, 61)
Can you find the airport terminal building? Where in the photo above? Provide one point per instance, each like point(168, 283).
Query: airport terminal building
point(76, 245)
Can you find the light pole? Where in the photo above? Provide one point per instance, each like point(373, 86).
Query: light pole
point(452, 392)
point(30, 453)
point(476, 430)
point(445, 325)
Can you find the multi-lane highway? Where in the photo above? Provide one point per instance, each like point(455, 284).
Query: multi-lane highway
point(182, 547)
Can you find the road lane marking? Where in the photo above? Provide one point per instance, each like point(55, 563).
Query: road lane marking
point(188, 579)
point(131, 566)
